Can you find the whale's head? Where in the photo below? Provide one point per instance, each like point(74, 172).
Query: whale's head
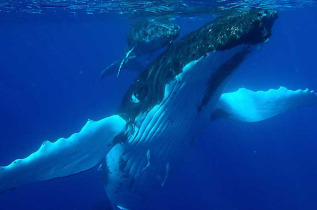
point(258, 24)
point(146, 36)
point(247, 27)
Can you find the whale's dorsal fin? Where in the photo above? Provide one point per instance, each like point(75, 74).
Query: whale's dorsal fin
point(253, 106)
point(80, 152)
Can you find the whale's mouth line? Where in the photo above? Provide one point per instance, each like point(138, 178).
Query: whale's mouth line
point(224, 71)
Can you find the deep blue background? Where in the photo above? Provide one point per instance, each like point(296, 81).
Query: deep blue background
point(50, 85)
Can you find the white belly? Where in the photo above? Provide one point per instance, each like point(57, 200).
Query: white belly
point(164, 134)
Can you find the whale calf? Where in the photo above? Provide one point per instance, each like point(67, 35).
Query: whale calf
point(145, 37)
point(170, 103)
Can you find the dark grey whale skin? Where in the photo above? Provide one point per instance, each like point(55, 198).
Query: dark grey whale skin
point(145, 37)
point(246, 27)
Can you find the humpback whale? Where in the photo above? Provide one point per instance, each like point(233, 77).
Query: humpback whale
point(145, 37)
point(170, 103)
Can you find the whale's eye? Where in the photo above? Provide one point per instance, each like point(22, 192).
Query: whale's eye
point(141, 93)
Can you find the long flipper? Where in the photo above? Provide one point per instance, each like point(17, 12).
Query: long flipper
point(80, 152)
point(111, 69)
point(249, 106)
point(124, 60)
point(130, 64)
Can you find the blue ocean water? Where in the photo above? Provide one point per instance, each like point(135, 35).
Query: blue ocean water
point(50, 85)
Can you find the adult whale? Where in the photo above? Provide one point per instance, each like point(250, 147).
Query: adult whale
point(165, 108)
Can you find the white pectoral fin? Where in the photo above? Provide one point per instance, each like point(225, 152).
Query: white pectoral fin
point(253, 106)
point(80, 152)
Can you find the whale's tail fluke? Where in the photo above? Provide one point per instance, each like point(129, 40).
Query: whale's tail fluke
point(254, 106)
point(80, 152)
